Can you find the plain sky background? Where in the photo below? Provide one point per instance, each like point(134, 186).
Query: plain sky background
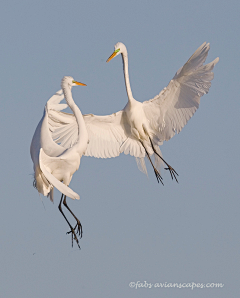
point(134, 229)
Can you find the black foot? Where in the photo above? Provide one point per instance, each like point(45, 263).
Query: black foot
point(79, 228)
point(158, 176)
point(172, 172)
point(74, 233)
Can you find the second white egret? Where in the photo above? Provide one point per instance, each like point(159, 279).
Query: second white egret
point(150, 123)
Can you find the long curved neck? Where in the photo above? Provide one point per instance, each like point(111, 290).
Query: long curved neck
point(82, 131)
point(126, 75)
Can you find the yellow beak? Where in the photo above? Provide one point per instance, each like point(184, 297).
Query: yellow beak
point(78, 83)
point(112, 56)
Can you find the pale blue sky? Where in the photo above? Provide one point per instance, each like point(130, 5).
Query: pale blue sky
point(133, 228)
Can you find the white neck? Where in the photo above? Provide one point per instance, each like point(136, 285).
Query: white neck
point(126, 75)
point(82, 131)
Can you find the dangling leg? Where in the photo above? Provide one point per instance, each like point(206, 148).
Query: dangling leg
point(71, 228)
point(157, 174)
point(171, 170)
point(78, 225)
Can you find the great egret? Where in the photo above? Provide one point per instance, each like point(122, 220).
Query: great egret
point(54, 163)
point(158, 119)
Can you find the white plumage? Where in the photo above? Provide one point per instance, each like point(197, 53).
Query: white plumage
point(54, 164)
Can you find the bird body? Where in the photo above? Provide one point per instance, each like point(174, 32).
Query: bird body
point(138, 124)
point(46, 154)
point(42, 140)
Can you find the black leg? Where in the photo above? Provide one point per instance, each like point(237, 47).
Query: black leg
point(71, 228)
point(78, 225)
point(171, 170)
point(157, 174)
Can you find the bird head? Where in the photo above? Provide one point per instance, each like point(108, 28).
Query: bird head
point(119, 49)
point(70, 82)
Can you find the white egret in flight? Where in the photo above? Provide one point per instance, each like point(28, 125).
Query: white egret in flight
point(54, 163)
point(148, 124)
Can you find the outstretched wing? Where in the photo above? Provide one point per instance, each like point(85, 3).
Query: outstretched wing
point(170, 111)
point(105, 133)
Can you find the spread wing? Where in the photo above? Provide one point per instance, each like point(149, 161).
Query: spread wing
point(170, 111)
point(105, 133)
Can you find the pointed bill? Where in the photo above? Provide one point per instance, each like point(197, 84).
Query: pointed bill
point(113, 55)
point(78, 83)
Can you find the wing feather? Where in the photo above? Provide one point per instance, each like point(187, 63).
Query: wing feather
point(170, 111)
point(106, 133)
